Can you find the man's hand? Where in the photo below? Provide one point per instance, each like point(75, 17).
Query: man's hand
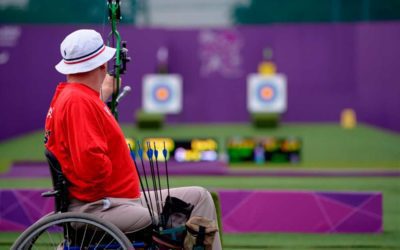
point(108, 87)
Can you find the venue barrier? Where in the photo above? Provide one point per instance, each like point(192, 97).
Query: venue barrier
point(242, 211)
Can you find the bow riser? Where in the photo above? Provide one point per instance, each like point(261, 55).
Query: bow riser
point(121, 57)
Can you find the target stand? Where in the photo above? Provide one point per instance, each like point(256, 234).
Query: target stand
point(266, 99)
point(161, 95)
point(145, 120)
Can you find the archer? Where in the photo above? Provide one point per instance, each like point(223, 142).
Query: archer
point(88, 142)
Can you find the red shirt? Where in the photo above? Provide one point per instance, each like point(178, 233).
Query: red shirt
point(89, 144)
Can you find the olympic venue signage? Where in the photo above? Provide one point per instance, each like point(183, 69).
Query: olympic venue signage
point(235, 149)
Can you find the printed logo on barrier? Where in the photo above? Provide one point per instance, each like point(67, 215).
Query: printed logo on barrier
point(219, 53)
point(266, 94)
point(162, 93)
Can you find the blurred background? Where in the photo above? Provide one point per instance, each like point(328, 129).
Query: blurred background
point(297, 97)
point(335, 55)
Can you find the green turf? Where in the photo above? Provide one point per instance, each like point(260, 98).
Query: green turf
point(390, 187)
point(324, 145)
point(28, 147)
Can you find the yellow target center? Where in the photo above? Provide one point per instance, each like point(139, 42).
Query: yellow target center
point(267, 93)
point(162, 94)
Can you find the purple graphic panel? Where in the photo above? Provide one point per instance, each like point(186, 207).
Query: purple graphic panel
point(21, 208)
point(301, 212)
point(242, 211)
point(41, 170)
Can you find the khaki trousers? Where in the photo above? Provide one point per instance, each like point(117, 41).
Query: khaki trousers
point(131, 215)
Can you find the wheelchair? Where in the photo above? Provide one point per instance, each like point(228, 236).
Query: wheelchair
point(71, 230)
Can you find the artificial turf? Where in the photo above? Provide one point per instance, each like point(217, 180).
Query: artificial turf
point(324, 146)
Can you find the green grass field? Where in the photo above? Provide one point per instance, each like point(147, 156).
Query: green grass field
point(324, 146)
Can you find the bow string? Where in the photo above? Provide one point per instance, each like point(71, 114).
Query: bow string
point(121, 54)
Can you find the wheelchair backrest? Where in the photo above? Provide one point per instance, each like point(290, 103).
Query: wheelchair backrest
point(60, 183)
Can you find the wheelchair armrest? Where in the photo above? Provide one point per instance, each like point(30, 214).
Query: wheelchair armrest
point(52, 193)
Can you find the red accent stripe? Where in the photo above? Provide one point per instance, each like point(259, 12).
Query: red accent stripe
point(86, 59)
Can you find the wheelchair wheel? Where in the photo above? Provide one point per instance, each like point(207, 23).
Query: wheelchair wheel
point(72, 231)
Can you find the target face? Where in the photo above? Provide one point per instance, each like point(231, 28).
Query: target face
point(162, 94)
point(266, 94)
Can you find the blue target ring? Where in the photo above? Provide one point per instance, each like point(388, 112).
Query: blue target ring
point(162, 93)
point(266, 93)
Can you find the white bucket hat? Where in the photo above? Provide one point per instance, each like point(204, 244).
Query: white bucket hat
point(83, 51)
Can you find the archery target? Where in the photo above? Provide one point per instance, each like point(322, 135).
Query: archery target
point(162, 94)
point(266, 93)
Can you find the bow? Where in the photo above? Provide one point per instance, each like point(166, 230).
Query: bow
point(121, 54)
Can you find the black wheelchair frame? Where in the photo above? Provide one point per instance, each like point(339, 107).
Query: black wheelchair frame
point(70, 230)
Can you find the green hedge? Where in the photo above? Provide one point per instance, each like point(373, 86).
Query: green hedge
point(265, 120)
point(149, 120)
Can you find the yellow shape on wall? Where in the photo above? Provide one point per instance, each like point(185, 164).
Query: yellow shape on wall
point(348, 119)
point(267, 68)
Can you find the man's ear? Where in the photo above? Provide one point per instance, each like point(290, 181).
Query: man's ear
point(103, 67)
